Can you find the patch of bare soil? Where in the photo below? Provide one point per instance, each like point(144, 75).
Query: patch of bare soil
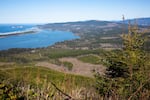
point(79, 68)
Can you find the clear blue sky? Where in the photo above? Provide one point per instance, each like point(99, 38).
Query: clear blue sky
point(45, 11)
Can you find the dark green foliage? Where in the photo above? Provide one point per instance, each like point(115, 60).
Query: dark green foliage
point(102, 85)
point(117, 69)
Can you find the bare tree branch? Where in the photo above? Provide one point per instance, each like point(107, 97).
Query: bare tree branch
point(69, 97)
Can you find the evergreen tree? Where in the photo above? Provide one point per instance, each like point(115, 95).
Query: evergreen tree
point(128, 70)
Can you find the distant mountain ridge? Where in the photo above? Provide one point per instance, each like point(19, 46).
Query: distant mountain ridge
point(95, 23)
point(79, 25)
point(87, 22)
point(139, 21)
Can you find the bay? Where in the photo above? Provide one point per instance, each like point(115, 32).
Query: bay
point(42, 38)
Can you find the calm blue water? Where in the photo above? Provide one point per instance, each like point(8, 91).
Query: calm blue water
point(11, 28)
point(42, 38)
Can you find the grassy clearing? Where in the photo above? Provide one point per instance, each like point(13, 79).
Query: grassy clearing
point(93, 59)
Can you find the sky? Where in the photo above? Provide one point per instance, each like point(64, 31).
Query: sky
point(49, 11)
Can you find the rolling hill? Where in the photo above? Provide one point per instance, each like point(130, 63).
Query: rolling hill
point(93, 33)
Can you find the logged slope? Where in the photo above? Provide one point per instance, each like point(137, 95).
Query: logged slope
point(79, 68)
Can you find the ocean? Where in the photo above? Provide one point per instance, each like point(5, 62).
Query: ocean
point(36, 38)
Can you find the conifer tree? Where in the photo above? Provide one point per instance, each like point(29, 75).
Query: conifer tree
point(128, 70)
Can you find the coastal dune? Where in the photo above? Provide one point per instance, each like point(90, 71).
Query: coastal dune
point(31, 30)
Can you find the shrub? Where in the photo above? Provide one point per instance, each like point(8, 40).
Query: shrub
point(68, 65)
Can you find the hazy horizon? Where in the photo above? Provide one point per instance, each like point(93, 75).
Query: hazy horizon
point(54, 11)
